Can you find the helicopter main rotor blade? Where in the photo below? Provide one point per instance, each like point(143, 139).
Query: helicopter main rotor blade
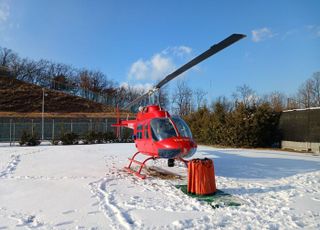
point(213, 50)
point(140, 98)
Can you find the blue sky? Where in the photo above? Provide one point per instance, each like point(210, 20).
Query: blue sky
point(138, 42)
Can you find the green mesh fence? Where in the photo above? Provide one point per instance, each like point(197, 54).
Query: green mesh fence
point(11, 129)
point(301, 125)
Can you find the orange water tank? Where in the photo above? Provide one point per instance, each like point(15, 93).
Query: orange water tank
point(201, 177)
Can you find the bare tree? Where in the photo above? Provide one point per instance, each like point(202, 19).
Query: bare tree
point(316, 88)
point(182, 99)
point(119, 97)
point(16, 67)
point(98, 81)
point(7, 56)
point(109, 92)
point(200, 95)
point(28, 71)
point(43, 77)
point(306, 93)
point(224, 102)
point(126, 94)
point(84, 78)
point(277, 100)
point(246, 95)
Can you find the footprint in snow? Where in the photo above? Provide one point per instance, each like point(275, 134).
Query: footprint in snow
point(68, 212)
point(93, 212)
point(95, 204)
point(315, 198)
point(63, 223)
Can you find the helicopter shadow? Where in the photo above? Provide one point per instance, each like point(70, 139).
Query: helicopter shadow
point(232, 164)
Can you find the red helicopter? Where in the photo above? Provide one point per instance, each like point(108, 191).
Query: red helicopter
point(156, 133)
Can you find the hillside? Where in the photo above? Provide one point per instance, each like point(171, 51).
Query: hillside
point(21, 97)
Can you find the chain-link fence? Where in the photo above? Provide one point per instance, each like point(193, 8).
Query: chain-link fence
point(11, 129)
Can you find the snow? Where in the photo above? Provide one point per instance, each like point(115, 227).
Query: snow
point(85, 187)
point(310, 108)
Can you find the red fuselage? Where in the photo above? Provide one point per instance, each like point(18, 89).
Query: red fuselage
point(158, 134)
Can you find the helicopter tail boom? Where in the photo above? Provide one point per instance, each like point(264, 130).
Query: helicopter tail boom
point(125, 123)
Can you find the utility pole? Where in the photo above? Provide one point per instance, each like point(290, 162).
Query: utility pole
point(42, 132)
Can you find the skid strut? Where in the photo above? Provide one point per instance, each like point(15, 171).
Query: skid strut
point(184, 161)
point(141, 164)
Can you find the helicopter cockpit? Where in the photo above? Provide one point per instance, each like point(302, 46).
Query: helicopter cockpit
point(162, 128)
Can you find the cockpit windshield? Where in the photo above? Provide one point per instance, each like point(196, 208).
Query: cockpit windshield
point(182, 127)
point(162, 128)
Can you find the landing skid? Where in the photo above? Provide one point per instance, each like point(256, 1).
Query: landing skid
point(142, 164)
point(184, 161)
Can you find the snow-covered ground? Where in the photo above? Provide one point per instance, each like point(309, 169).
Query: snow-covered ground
point(85, 187)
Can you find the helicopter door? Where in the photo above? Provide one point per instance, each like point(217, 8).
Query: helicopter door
point(147, 138)
point(139, 141)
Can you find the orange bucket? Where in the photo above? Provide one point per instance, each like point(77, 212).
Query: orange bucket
point(201, 177)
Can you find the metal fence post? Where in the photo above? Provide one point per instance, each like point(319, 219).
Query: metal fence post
point(71, 126)
point(42, 121)
point(32, 127)
point(309, 139)
point(10, 131)
point(14, 133)
point(106, 125)
point(52, 129)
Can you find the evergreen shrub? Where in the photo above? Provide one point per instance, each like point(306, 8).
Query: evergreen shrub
point(69, 138)
point(29, 140)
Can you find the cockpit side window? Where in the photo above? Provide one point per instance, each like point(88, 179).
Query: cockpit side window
point(182, 127)
point(162, 128)
point(154, 136)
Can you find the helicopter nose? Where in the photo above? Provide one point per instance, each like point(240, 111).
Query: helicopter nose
point(176, 147)
point(169, 153)
point(169, 148)
point(189, 153)
point(190, 147)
